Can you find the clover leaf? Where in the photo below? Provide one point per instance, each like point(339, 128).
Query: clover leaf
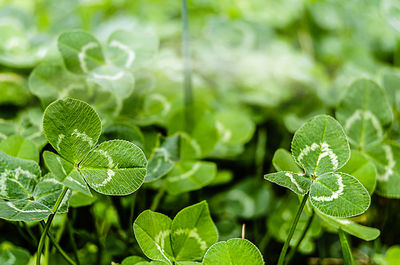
point(72, 127)
point(184, 239)
point(320, 147)
point(24, 194)
point(235, 251)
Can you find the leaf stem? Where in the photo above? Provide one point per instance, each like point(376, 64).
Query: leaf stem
point(48, 224)
point(72, 240)
point(58, 247)
point(294, 250)
point(186, 54)
point(157, 198)
point(346, 249)
point(292, 229)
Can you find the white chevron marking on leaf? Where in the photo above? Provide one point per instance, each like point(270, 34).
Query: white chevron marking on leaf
point(160, 238)
point(326, 151)
point(391, 163)
point(131, 54)
point(82, 55)
point(366, 115)
point(193, 234)
point(292, 179)
point(83, 136)
point(186, 175)
point(226, 134)
point(115, 77)
point(107, 156)
point(59, 140)
point(110, 174)
point(11, 205)
point(61, 165)
point(75, 181)
point(335, 194)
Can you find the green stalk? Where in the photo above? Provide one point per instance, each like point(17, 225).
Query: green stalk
point(73, 244)
point(292, 229)
point(294, 250)
point(157, 198)
point(48, 224)
point(186, 54)
point(58, 247)
point(346, 249)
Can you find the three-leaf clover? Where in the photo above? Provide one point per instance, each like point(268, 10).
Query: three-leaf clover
point(186, 238)
point(24, 194)
point(321, 148)
point(72, 127)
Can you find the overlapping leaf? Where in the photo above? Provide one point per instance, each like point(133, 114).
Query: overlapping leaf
point(114, 167)
point(24, 194)
point(365, 113)
point(235, 251)
point(184, 239)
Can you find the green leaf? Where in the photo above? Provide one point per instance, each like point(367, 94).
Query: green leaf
point(24, 196)
point(163, 159)
point(193, 232)
point(20, 147)
point(284, 161)
point(81, 51)
point(351, 227)
point(152, 231)
point(79, 199)
point(320, 145)
point(13, 89)
point(133, 260)
point(234, 127)
point(14, 256)
point(387, 161)
point(190, 175)
point(50, 82)
point(199, 124)
point(296, 182)
point(114, 167)
point(235, 251)
point(339, 195)
point(114, 79)
point(72, 127)
point(365, 113)
point(123, 130)
point(65, 172)
point(132, 49)
point(362, 169)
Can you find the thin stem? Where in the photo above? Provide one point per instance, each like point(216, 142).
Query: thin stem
point(157, 198)
point(294, 250)
point(58, 247)
point(346, 249)
point(186, 53)
point(260, 151)
point(48, 224)
point(73, 244)
point(292, 229)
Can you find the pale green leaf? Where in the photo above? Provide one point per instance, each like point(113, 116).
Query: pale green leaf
point(114, 167)
point(193, 232)
point(190, 175)
point(365, 113)
point(81, 51)
point(50, 82)
point(362, 169)
point(20, 147)
point(320, 145)
point(152, 232)
point(113, 79)
point(132, 49)
point(163, 158)
point(235, 251)
point(133, 260)
point(297, 182)
point(351, 227)
point(339, 194)
point(79, 199)
point(234, 127)
point(387, 161)
point(13, 89)
point(14, 256)
point(72, 127)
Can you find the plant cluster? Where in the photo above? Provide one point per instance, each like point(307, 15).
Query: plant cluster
point(116, 116)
